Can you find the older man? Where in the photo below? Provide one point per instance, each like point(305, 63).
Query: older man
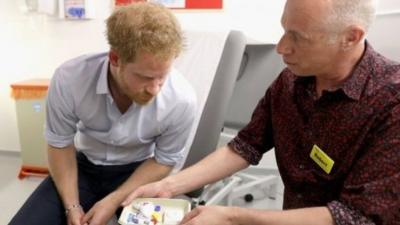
point(115, 120)
point(333, 117)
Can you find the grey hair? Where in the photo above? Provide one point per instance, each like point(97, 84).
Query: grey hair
point(352, 12)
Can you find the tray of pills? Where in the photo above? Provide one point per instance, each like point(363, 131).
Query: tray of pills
point(154, 211)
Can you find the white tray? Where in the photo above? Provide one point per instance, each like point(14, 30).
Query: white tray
point(168, 205)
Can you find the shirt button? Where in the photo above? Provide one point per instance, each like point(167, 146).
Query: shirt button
point(301, 166)
point(299, 196)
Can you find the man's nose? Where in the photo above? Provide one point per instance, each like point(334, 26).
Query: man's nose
point(283, 47)
point(154, 87)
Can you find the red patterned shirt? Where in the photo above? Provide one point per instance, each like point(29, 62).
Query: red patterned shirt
point(356, 125)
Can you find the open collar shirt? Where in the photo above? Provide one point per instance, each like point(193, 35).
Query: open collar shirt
point(81, 111)
point(357, 126)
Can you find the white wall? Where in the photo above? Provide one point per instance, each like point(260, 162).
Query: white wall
point(388, 6)
point(384, 35)
point(32, 46)
point(259, 19)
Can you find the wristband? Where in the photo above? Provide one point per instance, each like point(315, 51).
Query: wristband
point(72, 207)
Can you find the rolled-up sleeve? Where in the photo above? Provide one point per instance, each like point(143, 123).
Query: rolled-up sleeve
point(60, 118)
point(256, 137)
point(344, 215)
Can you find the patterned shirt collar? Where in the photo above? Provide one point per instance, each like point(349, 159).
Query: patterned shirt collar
point(354, 85)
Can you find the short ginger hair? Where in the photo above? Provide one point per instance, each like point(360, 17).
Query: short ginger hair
point(144, 26)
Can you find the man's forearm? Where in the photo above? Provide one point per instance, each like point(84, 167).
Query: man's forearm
point(63, 170)
point(218, 165)
point(149, 171)
point(309, 216)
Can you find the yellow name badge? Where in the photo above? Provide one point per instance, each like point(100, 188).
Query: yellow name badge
point(322, 159)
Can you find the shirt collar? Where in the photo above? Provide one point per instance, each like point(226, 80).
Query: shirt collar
point(354, 85)
point(102, 83)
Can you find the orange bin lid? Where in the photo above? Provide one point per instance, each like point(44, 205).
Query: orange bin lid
point(30, 89)
point(38, 84)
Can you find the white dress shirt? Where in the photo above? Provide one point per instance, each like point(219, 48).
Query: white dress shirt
point(81, 110)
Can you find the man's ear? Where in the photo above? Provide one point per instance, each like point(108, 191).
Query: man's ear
point(353, 35)
point(114, 58)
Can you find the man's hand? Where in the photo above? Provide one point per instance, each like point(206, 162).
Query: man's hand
point(157, 189)
point(101, 212)
point(210, 215)
point(74, 216)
